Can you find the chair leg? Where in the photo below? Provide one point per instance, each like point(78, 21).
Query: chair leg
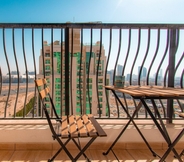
point(84, 149)
point(54, 156)
point(79, 147)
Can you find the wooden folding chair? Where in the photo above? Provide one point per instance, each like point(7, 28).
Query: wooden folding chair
point(174, 142)
point(70, 127)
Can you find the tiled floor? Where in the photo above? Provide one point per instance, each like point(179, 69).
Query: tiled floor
point(131, 155)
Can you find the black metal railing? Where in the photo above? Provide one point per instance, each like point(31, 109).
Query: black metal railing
point(78, 59)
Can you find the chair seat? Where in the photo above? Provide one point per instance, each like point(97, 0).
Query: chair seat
point(75, 126)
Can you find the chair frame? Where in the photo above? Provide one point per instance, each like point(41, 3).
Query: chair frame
point(57, 136)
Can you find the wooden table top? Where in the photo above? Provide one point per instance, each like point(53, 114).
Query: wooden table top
point(149, 91)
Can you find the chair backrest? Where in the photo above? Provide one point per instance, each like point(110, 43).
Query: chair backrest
point(44, 90)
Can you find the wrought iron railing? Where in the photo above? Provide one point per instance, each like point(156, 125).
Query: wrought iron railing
point(79, 59)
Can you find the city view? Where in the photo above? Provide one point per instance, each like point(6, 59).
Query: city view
point(90, 70)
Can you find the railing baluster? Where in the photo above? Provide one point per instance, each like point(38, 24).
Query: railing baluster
point(53, 72)
point(1, 80)
point(154, 56)
point(171, 69)
point(97, 74)
point(144, 59)
point(9, 73)
point(71, 72)
point(80, 72)
point(89, 65)
point(136, 55)
point(162, 60)
point(35, 70)
point(17, 67)
point(108, 57)
point(26, 68)
point(181, 79)
point(61, 75)
point(67, 95)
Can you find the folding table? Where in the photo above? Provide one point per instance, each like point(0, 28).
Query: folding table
point(142, 93)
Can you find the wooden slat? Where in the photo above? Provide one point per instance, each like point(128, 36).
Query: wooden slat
point(130, 92)
point(179, 114)
point(150, 91)
point(72, 127)
point(155, 92)
point(40, 82)
point(166, 93)
point(64, 127)
point(44, 92)
point(97, 126)
point(81, 128)
point(90, 128)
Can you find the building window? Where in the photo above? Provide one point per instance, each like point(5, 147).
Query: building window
point(58, 80)
point(47, 54)
point(100, 87)
point(47, 61)
point(89, 80)
point(58, 92)
point(99, 111)
point(58, 99)
point(57, 86)
point(47, 73)
point(47, 67)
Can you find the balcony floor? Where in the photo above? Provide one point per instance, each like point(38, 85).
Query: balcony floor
point(131, 155)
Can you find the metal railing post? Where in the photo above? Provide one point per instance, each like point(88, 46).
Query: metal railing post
point(171, 70)
point(67, 75)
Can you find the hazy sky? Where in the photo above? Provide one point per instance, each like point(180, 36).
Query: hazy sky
point(122, 11)
point(61, 11)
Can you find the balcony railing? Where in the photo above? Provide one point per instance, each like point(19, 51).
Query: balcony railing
point(77, 59)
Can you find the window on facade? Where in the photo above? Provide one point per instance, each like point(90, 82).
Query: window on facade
point(100, 93)
point(57, 105)
point(100, 99)
point(100, 80)
point(78, 103)
point(47, 105)
point(58, 99)
point(90, 86)
point(47, 73)
point(58, 80)
point(47, 99)
point(89, 80)
point(48, 80)
point(47, 67)
point(58, 92)
point(100, 87)
point(47, 61)
point(47, 54)
point(99, 111)
point(57, 86)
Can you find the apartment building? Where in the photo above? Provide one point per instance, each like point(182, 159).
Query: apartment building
point(87, 94)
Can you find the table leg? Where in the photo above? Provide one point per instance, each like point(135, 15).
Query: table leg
point(172, 146)
point(131, 120)
point(162, 129)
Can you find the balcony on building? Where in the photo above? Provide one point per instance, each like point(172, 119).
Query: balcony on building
point(82, 58)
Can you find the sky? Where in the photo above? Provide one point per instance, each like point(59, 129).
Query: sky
point(111, 11)
point(106, 11)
